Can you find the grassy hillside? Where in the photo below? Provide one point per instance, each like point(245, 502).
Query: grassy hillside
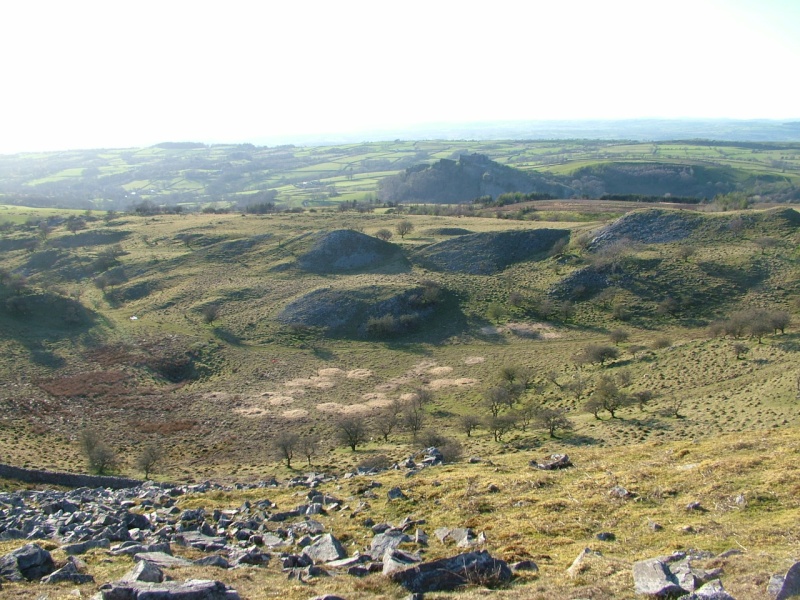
point(212, 334)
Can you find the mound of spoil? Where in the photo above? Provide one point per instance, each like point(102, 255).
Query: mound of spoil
point(489, 253)
point(652, 226)
point(659, 226)
point(341, 311)
point(347, 250)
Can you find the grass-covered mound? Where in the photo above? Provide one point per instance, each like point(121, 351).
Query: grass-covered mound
point(488, 253)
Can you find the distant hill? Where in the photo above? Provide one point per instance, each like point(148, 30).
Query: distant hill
point(462, 180)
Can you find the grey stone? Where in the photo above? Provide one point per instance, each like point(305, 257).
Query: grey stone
point(396, 494)
point(774, 585)
point(386, 541)
point(162, 559)
point(68, 572)
point(397, 560)
point(555, 462)
point(215, 560)
point(84, 547)
point(653, 578)
point(326, 549)
point(791, 583)
point(193, 589)
point(712, 590)
point(144, 571)
point(524, 565)
point(28, 562)
point(451, 573)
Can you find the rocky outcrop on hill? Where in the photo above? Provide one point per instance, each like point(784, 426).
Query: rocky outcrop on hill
point(462, 180)
point(489, 253)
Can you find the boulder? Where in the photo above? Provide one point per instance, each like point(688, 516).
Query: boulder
point(791, 583)
point(556, 461)
point(386, 541)
point(215, 560)
point(448, 574)
point(325, 549)
point(397, 560)
point(28, 562)
point(712, 590)
point(84, 547)
point(162, 559)
point(653, 578)
point(145, 571)
point(193, 589)
point(68, 572)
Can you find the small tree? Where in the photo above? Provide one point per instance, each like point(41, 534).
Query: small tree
point(149, 458)
point(284, 446)
point(386, 422)
point(780, 320)
point(468, 424)
point(210, 313)
point(619, 335)
point(686, 251)
point(403, 228)
point(593, 406)
point(765, 243)
point(642, 397)
point(413, 419)
point(352, 432)
point(609, 395)
point(600, 353)
point(740, 349)
point(100, 456)
point(383, 234)
point(309, 446)
point(553, 419)
point(500, 425)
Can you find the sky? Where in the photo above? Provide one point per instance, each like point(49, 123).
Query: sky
point(125, 73)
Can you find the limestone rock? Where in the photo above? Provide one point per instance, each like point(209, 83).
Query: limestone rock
point(145, 571)
point(791, 583)
point(325, 549)
point(193, 589)
point(68, 572)
point(451, 573)
point(28, 562)
point(653, 578)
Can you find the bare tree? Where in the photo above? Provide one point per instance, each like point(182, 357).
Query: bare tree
point(149, 458)
point(309, 446)
point(618, 335)
point(284, 446)
point(383, 234)
point(469, 423)
point(500, 425)
point(413, 419)
point(403, 228)
point(553, 419)
point(386, 422)
point(352, 432)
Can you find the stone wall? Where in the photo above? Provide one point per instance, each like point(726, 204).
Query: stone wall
point(72, 480)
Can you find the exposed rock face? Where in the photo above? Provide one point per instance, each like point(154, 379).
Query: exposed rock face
point(448, 574)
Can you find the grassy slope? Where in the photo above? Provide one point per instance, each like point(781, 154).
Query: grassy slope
point(258, 377)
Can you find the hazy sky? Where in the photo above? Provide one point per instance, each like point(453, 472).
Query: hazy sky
point(116, 73)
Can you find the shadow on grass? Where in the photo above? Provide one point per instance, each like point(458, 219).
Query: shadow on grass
point(323, 353)
point(227, 336)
